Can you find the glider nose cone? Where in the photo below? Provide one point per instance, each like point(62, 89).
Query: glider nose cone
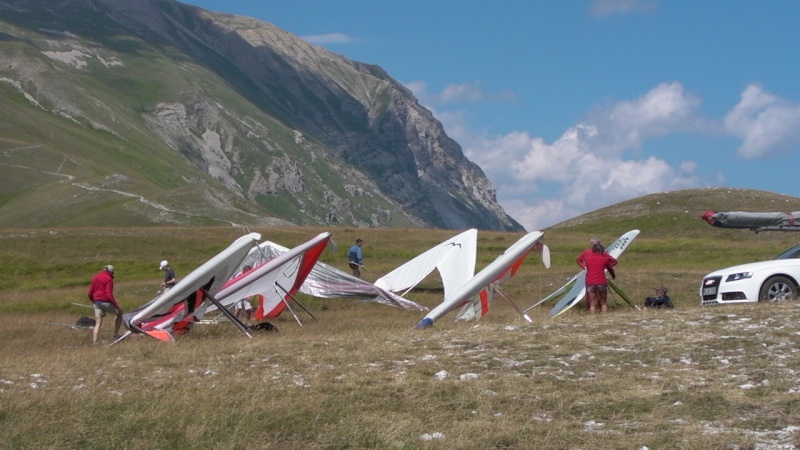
point(424, 323)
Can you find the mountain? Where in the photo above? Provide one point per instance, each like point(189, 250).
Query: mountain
point(142, 112)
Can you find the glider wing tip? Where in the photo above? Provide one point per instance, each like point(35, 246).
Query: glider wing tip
point(424, 323)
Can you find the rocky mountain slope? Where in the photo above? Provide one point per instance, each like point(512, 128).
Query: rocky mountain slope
point(152, 111)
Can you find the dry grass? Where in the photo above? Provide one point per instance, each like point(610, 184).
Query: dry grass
point(362, 377)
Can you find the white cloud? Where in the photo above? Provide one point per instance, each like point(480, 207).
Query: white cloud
point(600, 161)
point(330, 38)
point(589, 166)
point(603, 8)
point(766, 124)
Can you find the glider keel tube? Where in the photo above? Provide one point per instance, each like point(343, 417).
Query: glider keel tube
point(501, 268)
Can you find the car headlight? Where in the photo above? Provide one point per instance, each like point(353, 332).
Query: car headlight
point(739, 276)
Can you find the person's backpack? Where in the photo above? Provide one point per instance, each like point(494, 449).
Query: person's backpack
point(86, 322)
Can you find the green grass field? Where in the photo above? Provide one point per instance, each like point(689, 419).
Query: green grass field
point(362, 377)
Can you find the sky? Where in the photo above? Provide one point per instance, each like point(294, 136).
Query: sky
point(571, 106)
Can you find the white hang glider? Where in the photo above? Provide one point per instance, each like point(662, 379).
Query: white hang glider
point(453, 258)
point(575, 288)
point(475, 294)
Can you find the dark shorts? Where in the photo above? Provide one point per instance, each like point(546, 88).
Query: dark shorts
point(597, 288)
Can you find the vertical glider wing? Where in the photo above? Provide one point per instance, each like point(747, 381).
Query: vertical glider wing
point(326, 281)
point(454, 258)
point(474, 295)
point(183, 304)
point(578, 282)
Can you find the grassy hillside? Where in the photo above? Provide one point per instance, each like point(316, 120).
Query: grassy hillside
point(362, 377)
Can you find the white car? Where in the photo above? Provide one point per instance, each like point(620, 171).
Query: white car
point(765, 281)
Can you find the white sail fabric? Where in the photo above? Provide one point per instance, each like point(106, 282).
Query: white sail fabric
point(454, 258)
point(212, 275)
point(275, 280)
point(326, 281)
point(474, 291)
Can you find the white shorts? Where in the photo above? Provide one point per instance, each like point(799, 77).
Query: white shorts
point(244, 304)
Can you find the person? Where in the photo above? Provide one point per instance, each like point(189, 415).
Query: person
point(244, 305)
point(356, 258)
point(596, 261)
point(169, 276)
point(660, 300)
point(101, 294)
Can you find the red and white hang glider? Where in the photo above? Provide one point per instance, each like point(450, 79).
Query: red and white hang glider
point(209, 287)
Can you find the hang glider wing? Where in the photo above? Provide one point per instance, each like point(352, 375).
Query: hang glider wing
point(474, 295)
point(277, 280)
point(178, 307)
point(578, 282)
point(326, 281)
point(454, 258)
point(756, 221)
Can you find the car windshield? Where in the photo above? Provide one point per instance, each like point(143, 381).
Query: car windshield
point(793, 252)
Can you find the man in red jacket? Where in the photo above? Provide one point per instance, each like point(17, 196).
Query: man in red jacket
point(101, 293)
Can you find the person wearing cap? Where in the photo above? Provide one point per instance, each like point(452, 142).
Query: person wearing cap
point(101, 294)
point(661, 300)
point(169, 276)
point(595, 260)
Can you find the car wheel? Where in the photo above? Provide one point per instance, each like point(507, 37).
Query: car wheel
point(777, 289)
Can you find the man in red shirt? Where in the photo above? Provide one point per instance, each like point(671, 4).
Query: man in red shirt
point(101, 293)
point(596, 261)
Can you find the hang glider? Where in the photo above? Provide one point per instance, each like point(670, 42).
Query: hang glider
point(575, 288)
point(275, 281)
point(326, 281)
point(474, 295)
point(756, 221)
point(453, 258)
point(176, 309)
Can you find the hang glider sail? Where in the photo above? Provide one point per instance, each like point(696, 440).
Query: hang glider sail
point(275, 281)
point(326, 281)
point(453, 258)
point(177, 308)
point(474, 295)
point(756, 221)
point(575, 288)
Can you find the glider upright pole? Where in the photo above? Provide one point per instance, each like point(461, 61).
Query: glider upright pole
point(298, 303)
point(514, 305)
point(622, 294)
point(283, 299)
point(562, 290)
point(227, 313)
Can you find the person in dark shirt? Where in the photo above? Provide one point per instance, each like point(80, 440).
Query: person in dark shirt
point(355, 258)
point(661, 300)
point(169, 276)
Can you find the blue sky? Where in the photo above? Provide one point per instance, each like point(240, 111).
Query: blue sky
point(570, 106)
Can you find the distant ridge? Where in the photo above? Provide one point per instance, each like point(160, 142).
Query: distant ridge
point(678, 213)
